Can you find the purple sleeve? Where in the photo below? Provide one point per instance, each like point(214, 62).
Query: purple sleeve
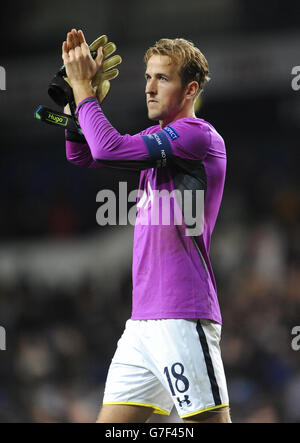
point(190, 138)
point(187, 138)
point(104, 140)
point(79, 154)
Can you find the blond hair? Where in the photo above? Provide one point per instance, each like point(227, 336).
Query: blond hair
point(193, 65)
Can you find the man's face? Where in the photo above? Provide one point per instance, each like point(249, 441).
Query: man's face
point(164, 92)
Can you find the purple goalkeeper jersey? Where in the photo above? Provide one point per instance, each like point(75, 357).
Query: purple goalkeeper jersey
point(172, 274)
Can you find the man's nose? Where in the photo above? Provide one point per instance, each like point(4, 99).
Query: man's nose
point(151, 87)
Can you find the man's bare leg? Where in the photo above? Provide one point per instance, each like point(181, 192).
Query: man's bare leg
point(221, 415)
point(124, 414)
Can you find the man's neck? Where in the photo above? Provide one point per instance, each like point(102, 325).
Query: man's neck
point(183, 114)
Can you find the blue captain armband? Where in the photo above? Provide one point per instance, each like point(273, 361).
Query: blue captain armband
point(159, 148)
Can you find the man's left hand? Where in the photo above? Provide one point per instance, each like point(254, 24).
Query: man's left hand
point(79, 64)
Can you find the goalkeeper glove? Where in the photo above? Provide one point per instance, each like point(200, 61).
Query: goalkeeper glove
point(60, 89)
point(61, 92)
point(107, 70)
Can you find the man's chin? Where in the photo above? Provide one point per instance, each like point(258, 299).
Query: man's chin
point(154, 117)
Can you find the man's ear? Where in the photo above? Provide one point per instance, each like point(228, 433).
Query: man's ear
point(191, 89)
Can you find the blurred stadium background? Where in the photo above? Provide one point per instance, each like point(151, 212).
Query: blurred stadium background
point(65, 282)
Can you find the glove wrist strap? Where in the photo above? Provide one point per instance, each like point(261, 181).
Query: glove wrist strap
point(57, 118)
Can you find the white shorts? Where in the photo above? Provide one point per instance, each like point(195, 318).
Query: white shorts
point(159, 363)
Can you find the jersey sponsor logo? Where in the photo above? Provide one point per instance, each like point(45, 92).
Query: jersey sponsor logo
point(146, 199)
point(171, 132)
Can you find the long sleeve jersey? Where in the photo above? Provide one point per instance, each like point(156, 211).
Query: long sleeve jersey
point(172, 274)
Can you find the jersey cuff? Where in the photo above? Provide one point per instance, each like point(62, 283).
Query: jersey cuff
point(159, 148)
point(92, 98)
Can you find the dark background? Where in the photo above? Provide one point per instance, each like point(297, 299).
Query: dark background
point(65, 282)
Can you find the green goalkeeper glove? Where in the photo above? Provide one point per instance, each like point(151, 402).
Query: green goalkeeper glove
point(101, 81)
point(61, 91)
point(107, 71)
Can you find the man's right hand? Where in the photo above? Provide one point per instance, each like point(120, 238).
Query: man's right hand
point(79, 64)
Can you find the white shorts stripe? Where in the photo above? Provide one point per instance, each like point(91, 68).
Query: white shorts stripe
point(209, 365)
